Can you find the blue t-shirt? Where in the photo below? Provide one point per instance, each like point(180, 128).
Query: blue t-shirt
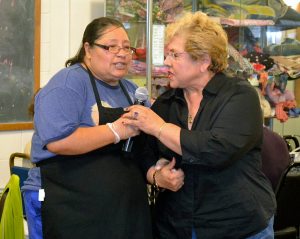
point(64, 104)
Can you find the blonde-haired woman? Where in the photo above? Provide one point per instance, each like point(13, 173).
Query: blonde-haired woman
point(212, 125)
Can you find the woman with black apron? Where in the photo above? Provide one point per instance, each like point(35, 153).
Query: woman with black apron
point(89, 187)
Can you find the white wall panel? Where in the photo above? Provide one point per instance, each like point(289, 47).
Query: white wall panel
point(81, 14)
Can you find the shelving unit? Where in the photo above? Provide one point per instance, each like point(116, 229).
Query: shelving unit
point(252, 29)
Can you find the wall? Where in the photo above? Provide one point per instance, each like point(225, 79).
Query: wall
point(62, 26)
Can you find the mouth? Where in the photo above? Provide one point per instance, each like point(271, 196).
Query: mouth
point(120, 65)
point(170, 74)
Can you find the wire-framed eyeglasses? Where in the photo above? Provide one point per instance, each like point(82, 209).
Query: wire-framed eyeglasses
point(116, 49)
point(174, 55)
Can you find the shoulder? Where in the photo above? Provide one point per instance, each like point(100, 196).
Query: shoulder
point(72, 76)
point(71, 79)
point(236, 82)
point(237, 86)
point(164, 101)
point(129, 85)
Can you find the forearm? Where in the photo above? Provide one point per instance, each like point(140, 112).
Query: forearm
point(83, 140)
point(169, 135)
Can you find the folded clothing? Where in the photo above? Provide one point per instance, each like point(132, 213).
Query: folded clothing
point(287, 48)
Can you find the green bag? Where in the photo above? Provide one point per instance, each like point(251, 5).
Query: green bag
point(11, 224)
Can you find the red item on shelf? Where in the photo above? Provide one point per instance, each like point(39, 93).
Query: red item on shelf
point(140, 53)
point(258, 67)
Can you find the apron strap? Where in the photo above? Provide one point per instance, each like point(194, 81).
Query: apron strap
point(96, 93)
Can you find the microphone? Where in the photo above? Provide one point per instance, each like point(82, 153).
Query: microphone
point(141, 95)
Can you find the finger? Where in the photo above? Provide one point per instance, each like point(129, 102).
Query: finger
point(181, 173)
point(129, 122)
point(128, 108)
point(127, 115)
point(162, 162)
point(171, 165)
point(135, 115)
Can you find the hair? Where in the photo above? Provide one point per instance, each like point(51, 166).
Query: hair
point(31, 104)
point(92, 32)
point(203, 37)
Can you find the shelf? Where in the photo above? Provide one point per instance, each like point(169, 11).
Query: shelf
point(245, 22)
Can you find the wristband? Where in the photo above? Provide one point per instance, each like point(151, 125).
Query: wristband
point(117, 136)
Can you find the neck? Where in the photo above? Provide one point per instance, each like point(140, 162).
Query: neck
point(193, 99)
point(109, 82)
point(197, 85)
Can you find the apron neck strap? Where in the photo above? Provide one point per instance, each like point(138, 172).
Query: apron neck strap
point(96, 93)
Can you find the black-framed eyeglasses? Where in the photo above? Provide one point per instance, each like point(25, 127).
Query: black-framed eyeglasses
point(116, 49)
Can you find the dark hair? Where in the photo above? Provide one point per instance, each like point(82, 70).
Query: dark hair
point(31, 104)
point(92, 32)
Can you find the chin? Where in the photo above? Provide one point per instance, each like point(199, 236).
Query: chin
point(120, 74)
point(173, 85)
point(120, 77)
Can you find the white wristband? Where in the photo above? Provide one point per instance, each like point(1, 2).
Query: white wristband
point(117, 136)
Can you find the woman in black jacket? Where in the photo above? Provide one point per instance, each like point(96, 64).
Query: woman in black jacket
point(211, 125)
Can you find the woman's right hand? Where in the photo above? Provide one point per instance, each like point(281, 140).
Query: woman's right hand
point(167, 176)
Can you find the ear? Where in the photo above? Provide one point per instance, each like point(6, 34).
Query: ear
point(87, 48)
point(204, 63)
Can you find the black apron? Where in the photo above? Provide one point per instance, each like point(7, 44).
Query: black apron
point(101, 194)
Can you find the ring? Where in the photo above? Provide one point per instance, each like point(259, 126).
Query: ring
point(135, 115)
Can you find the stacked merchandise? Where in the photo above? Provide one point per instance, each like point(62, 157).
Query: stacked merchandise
point(267, 66)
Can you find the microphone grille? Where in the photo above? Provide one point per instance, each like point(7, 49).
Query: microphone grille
point(141, 94)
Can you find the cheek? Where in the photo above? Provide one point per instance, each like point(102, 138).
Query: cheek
point(104, 59)
point(102, 56)
point(103, 63)
point(180, 69)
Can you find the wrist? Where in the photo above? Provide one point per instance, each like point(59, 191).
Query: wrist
point(161, 129)
point(154, 180)
point(117, 136)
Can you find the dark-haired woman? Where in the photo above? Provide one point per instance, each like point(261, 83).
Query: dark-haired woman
point(83, 186)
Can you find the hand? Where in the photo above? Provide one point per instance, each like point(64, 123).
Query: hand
point(160, 163)
point(125, 131)
point(170, 178)
point(143, 118)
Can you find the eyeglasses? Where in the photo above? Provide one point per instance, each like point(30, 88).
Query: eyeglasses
point(174, 55)
point(116, 49)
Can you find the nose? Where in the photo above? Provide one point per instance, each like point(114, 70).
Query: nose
point(121, 53)
point(167, 62)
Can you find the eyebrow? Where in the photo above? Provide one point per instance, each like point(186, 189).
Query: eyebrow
point(116, 40)
point(173, 50)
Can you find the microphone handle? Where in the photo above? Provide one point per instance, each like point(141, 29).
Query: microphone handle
point(127, 146)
